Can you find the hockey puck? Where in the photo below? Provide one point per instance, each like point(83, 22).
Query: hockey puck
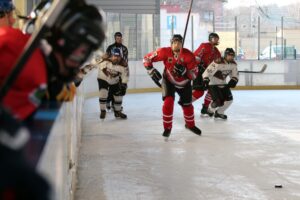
point(278, 186)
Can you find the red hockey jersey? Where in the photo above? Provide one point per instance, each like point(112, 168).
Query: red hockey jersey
point(26, 92)
point(185, 58)
point(206, 53)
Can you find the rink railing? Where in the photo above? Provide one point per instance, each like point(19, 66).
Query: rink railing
point(279, 74)
point(58, 162)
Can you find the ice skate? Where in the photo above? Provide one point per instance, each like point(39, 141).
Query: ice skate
point(205, 111)
point(221, 116)
point(102, 114)
point(119, 114)
point(194, 129)
point(166, 134)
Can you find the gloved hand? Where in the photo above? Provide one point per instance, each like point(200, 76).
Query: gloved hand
point(205, 83)
point(201, 68)
point(13, 134)
point(179, 69)
point(86, 69)
point(154, 74)
point(232, 83)
point(67, 92)
point(123, 88)
point(59, 91)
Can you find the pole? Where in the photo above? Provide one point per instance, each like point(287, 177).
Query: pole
point(284, 48)
point(192, 21)
point(258, 39)
point(270, 49)
point(235, 27)
point(172, 25)
point(276, 39)
point(282, 38)
point(214, 22)
point(136, 37)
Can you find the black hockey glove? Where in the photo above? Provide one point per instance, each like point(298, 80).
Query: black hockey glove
point(205, 83)
point(123, 88)
point(201, 68)
point(12, 134)
point(232, 83)
point(154, 74)
point(179, 70)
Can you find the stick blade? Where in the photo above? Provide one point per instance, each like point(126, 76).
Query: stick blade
point(263, 69)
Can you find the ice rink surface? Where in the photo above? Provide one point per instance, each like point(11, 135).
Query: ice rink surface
point(241, 158)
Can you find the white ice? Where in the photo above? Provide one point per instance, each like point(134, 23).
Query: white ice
point(241, 158)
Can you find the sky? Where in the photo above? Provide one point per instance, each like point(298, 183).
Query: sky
point(238, 3)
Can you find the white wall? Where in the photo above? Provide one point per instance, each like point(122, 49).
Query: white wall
point(286, 72)
point(59, 158)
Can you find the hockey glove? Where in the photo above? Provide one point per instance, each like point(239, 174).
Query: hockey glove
point(67, 93)
point(205, 83)
point(154, 74)
point(232, 83)
point(179, 70)
point(13, 134)
point(123, 88)
point(59, 91)
point(201, 68)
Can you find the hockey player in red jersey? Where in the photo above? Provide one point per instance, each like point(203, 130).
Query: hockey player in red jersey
point(78, 32)
point(180, 69)
point(6, 13)
point(205, 54)
point(56, 62)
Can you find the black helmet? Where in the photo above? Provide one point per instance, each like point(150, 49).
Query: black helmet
point(116, 52)
point(118, 34)
point(229, 51)
point(212, 35)
point(80, 26)
point(79, 31)
point(6, 6)
point(177, 37)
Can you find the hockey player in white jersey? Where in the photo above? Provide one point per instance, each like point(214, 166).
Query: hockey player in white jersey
point(110, 72)
point(214, 78)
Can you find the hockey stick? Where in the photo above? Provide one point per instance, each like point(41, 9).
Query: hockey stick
point(187, 22)
point(48, 21)
point(185, 30)
point(263, 69)
point(157, 83)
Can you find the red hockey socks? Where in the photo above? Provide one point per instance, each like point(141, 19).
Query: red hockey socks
point(188, 112)
point(168, 112)
point(197, 94)
point(207, 99)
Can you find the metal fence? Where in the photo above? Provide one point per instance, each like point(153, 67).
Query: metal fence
point(254, 37)
point(141, 32)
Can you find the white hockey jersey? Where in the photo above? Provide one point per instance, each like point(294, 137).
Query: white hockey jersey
point(106, 71)
point(219, 70)
point(111, 73)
